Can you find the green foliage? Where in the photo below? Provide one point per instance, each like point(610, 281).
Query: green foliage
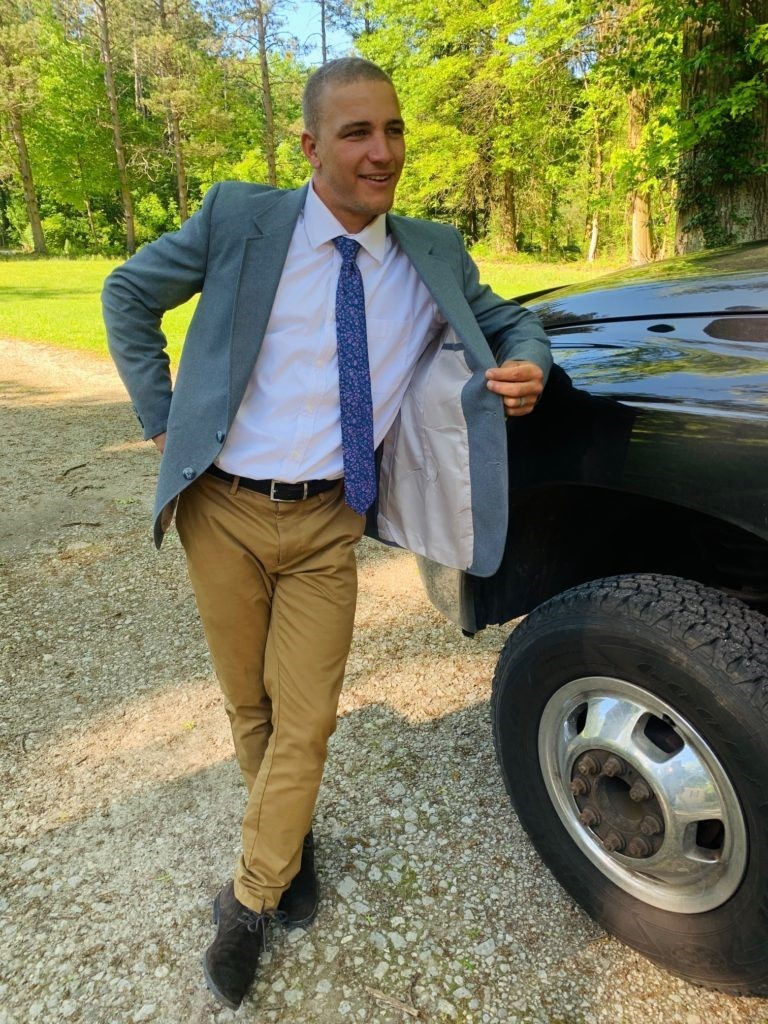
point(16, 217)
point(70, 146)
point(64, 234)
point(528, 121)
point(153, 218)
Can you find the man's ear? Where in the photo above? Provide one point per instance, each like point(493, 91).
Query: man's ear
point(309, 148)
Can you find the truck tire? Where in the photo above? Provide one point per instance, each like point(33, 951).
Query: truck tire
point(630, 720)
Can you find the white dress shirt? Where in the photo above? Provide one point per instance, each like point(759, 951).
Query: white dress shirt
point(288, 424)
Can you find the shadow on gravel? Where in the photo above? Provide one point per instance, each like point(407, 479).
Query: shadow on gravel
point(432, 899)
point(426, 879)
point(16, 392)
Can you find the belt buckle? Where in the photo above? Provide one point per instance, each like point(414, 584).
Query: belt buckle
point(276, 483)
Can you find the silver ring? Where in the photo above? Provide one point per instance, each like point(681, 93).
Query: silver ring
point(520, 402)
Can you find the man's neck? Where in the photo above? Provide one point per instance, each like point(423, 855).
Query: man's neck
point(351, 223)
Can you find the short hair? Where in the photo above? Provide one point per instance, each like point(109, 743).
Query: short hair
point(342, 71)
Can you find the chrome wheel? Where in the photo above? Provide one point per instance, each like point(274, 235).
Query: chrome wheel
point(642, 794)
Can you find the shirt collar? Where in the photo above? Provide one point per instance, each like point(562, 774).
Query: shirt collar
point(321, 227)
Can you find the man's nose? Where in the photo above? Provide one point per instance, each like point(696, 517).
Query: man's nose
point(380, 149)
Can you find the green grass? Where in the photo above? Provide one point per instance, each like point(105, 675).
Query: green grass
point(57, 300)
point(520, 276)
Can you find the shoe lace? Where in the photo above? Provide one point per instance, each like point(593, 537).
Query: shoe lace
point(256, 924)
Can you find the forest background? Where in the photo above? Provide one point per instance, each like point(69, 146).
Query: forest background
point(564, 129)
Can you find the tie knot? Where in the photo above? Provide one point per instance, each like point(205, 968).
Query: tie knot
point(348, 248)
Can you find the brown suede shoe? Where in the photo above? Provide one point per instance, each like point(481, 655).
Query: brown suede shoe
point(298, 904)
point(229, 963)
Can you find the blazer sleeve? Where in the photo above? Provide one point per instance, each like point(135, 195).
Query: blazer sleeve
point(512, 331)
point(159, 277)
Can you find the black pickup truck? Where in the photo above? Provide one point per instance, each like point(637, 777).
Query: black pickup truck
point(630, 707)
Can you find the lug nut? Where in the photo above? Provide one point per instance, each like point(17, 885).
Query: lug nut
point(651, 825)
point(639, 792)
point(579, 787)
point(614, 766)
point(639, 847)
point(589, 816)
point(588, 765)
point(613, 842)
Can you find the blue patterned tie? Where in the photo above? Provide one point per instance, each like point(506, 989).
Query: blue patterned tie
point(354, 381)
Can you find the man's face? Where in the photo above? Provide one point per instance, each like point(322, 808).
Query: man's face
point(358, 151)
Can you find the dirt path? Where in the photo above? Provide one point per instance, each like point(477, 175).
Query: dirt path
point(121, 797)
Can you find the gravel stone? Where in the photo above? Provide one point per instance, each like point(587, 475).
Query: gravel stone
point(346, 886)
point(488, 948)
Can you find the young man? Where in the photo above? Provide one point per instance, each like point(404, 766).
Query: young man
point(326, 329)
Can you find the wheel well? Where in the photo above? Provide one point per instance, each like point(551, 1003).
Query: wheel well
point(562, 536)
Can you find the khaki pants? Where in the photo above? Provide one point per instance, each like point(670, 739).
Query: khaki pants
point(276, 585)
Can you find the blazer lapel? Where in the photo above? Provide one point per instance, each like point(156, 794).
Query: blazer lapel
point(441, 282)
point(264, 252)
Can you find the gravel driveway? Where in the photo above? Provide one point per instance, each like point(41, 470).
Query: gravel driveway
point(121, 798)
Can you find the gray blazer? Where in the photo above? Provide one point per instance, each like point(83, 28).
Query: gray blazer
point(443, 475)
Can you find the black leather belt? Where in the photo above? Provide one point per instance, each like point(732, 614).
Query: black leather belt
point(276, 489)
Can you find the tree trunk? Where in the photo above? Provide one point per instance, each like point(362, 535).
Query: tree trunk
point(722, 186)
point(109, 82)
point(323, 37)
point(472, 221)
point(138, 92)
point(30, 197)
point(266, 94)
point(640, 204)
point(642, 246)
point(509, 213)
point(174, 130)
point(181, 173)
point(91, 224)
point(86, 201)
point(550, 237)
point(594, 234)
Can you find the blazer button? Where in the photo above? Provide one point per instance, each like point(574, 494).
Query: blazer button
point(188, 473)
point(220, 435)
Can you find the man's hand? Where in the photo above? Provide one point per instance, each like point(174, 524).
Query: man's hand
point(159, 441)
point(519, 383)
